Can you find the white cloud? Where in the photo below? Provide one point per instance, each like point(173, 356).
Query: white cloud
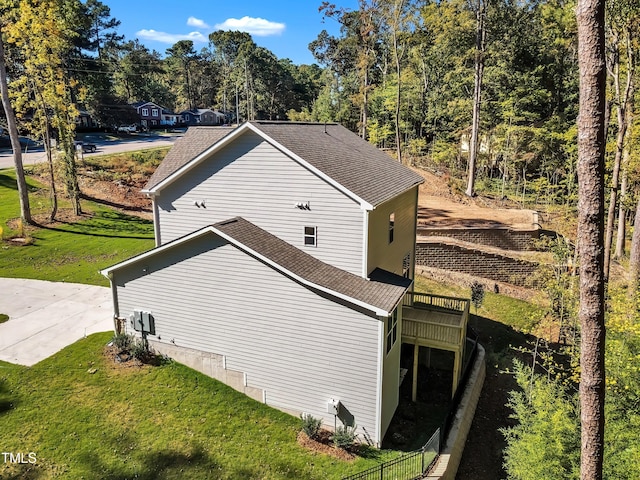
point(255, 26)
point(196, 22)
point(171, 38)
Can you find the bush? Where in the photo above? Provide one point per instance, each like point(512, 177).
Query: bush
point(344, 436)
point(310, 425)
point(141, 351)
point(123, 342)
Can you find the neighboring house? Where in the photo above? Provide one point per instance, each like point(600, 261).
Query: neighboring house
point(283, 254)
point(85, 120)
point(153, 115)
point(202, 116)
point(169, 118)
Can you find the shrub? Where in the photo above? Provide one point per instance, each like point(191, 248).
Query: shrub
point(310, 425)
point(344, 436)
point(141, 351)
point(123, 342)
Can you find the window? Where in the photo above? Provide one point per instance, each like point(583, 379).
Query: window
point(145, 112)
point(392, 330)
point(154, 112)
point(310, 236)
point(406, 265)
point(154, 122)
point(392, 221)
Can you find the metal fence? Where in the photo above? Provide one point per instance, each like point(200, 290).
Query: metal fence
point(406, 467)
point(415, 464)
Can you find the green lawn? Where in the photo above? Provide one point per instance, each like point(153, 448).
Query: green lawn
point(69, 252)
point(164, 422)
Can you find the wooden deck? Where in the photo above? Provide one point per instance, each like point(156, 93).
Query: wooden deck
point(435, 321)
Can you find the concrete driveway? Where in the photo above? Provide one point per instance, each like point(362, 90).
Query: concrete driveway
point(45, 317)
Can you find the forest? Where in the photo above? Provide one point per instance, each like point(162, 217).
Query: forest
point(483, 92)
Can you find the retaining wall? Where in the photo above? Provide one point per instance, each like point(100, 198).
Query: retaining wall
point(474, 262)
point(504, 238)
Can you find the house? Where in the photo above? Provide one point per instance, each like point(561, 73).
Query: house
point(283, 254)
point(202, 116)
point(153, 115)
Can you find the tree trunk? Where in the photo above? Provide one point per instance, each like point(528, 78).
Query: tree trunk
point(23, 192)
point(591, 148)
point(622, 100)
point(52, 179)
point(397, 14)
point(622, 211)
point(477, 97)
point(634, 258)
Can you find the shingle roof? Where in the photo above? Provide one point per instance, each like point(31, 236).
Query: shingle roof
point(185, 149)
point(344, 157)
point(348, 159)
point(383, 293)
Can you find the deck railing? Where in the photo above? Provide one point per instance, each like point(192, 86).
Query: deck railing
point(422, 300)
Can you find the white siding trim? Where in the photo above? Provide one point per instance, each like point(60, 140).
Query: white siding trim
point(365, 243)
point(380, 377)
point(211, 229)
point(376, 310)
point(156, 221)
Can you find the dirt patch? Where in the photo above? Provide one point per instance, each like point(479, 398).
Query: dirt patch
point(323, 445)
point(122, 363)
point(440, 206)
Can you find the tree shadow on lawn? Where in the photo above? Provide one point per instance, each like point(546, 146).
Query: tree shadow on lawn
point(100, 222)
point(9, 182)
point(193, 461)
point(6, 403)
point(109, 203)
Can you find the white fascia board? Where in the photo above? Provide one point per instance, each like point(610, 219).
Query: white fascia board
point(376, 310)
point(197, 160)
point(107, 271)
point(364, 204)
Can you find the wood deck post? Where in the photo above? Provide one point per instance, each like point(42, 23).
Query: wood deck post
point(414, 388)
point(457, 367)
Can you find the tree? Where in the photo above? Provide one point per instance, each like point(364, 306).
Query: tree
point(181, 58)
point(591, 147)
point(23, 193)
point(622, 29)
point(480, 9)
point(44, 34)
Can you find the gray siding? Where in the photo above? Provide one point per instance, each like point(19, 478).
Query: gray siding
point(252, 179)
point(381, 253)
point(302, 349)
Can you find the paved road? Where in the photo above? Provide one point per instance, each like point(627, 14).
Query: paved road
point(45, 317)
point(38, 155)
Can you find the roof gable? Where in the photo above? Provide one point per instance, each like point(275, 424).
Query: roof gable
point(380, 296)
point(334, 153)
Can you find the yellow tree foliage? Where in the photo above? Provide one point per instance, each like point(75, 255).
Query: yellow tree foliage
point(43, 32)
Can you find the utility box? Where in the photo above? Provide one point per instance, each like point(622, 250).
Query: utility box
point(143, 321)
point(333, 406)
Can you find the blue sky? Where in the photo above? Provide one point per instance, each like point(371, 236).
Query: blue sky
point(284, 27)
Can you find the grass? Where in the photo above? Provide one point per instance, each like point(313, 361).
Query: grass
point(150, 422)
point(502, 322)
point(68, 252)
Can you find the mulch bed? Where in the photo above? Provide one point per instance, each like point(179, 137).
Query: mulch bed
point(323, 444)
